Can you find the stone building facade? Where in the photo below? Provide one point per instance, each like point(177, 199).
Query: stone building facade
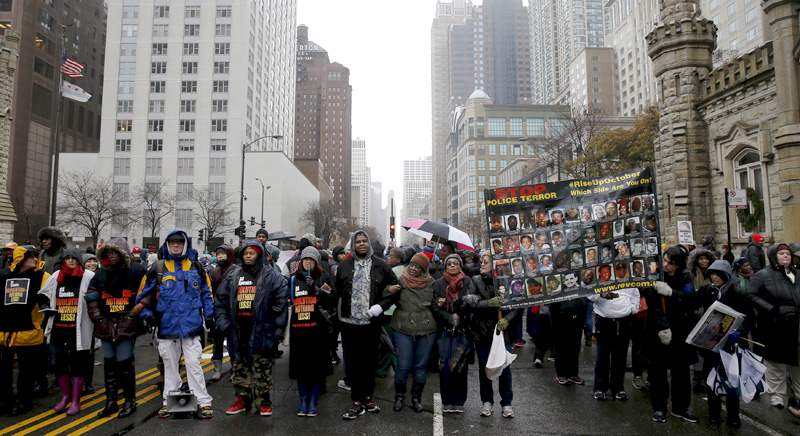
point(9, 44)
point(727, 127)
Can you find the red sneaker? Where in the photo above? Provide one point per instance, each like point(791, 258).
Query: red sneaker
point(238, 407)
point(266, 411)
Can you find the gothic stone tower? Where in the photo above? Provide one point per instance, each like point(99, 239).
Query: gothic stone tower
point(681, 46)
point(782, 16)
point(9, 44)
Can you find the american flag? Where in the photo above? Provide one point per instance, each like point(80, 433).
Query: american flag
point(71, 68)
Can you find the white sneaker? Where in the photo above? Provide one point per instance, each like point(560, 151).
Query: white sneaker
point(343, 385)
point(486, 410)
point(508, 412)
point(776, 401)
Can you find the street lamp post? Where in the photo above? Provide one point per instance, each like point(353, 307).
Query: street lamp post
point(263, 224)
point(241, 192)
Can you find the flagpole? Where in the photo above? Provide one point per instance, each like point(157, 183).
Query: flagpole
point(56, 148)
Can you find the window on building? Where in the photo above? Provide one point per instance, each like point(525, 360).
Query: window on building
point(152, 166)
point(155, 144)
point(481, 149)
point(192, 12)
point(124, 125)
point(497, 126)
point(750, 15)
point(492, 149)
point(160, 30)
point(191, 48)
point(535, 126)
point(130, 30)
point(189, 86)
point(224, 12)
point(185, 166)
point(127, 68)
point(123, 145)
point(125, 87)
point(219, 125)
point(222, 67)
point(492, 180)
point(189, 68)
point(220, 86)
point(732, 27)
point(186, 125)
point(216, 191)
point(219, 105)
point(127, 49)
point(183, 218)
point(188, 105)
point(503, 149)
point(124, 106)
point(156, 106)
point(159, 48)
point(481, 165)
point(122, 167)
point(219, 144)
point(155, 125)
point(503, 163)
point(492, 165)
point(183, 191)
point(186, 144)
point(731, 9)
point(222, 48)
point(222, 30)
point(748, 174)
point(158, 68)
point(481, 181)
point(158, 87)
point(130, 12)
point(752, 33)
point(161, 12)
point(191, 30)
point(216, 166)
point(121, 192)
point(515, 127)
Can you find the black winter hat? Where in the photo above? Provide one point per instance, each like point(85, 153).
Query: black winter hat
point(264, 231)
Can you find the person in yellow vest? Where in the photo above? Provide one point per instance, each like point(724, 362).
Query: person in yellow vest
point(20, 328)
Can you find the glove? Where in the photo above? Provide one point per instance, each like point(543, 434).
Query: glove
point(375, 310)
point(665, 336)
point(502, 325)
point(663, 289)
point(310, 282)
point(210, 324)
point(496, 301)
point(454, 319)
point(471, 300)
point(734, 336)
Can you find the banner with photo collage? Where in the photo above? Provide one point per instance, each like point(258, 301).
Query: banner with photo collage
point(556, 241)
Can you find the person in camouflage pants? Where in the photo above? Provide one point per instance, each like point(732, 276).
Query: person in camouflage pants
point(252, 379)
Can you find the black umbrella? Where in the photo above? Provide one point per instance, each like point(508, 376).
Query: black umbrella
point(275, 236)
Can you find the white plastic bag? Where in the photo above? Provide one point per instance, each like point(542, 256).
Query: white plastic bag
point(499, 357)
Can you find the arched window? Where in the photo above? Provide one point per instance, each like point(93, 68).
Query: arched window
point(747, 171)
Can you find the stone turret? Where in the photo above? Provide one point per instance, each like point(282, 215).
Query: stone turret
point(9, 46)
point(782, 16)
point(681, 46)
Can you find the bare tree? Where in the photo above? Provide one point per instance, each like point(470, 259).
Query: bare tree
point(567, 137)
point(88, 201)
point(326, 220)
point(151, 204)
point(212, 211)
point(350, 225)
point(476, 225)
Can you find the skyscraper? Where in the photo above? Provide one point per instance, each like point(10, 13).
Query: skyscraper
point(416, 188)
point(40, 26)
point(361, 183)
point(188, 84)
point(474, 47)
point(324, 116)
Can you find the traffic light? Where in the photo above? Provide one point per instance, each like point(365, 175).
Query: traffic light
point(252, 220)
point(202, 235)
point(391, 227)
point(263, 224)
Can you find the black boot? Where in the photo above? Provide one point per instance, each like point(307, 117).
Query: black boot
point(110, 376)
point(714, 408)
point(416, 396)
point(399, 396)
point(732, 418)
point(128, 381)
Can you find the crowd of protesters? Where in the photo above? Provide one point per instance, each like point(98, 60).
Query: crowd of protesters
point(414, 308)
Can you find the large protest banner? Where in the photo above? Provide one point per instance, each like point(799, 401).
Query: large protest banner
point(556, 241)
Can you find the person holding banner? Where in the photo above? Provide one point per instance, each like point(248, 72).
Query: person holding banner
point(568, 318)
point(723, 288)
point(20, 328)
point(452, 315)
point(673, 310)
point(775, 292)
point(612, 328)
point(485, 303)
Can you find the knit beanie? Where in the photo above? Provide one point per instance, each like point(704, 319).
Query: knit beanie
point(263, 231)
point(456, 257)
point(310, 252)
point(421, 260)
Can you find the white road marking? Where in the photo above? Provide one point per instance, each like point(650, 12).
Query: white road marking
point(438, 422)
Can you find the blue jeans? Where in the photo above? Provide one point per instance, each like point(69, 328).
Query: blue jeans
point(413, 353)
point(121, 351)
point(487, 392)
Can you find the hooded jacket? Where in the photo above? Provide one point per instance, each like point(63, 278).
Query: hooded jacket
point(270, 303)
point(218, 274)
point(381, 277)
point(709, 244)
point(728, 294)
point(20, 319)
point(58, 241)
point(698, 278)
point(777, 301)
point(83, 324)
point(180, 299)
point(754, 253)
point(334, 260)
point(112, 293)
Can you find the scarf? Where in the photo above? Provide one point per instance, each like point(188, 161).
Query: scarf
point(67, 271)
point(415, 283)
point(454, 284)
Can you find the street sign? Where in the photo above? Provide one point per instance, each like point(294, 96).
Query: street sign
point(737, 198)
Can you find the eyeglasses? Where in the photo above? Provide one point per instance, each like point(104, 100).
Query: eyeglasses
point(453, 264)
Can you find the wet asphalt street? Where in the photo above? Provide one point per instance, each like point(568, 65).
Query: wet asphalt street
point(541, 406)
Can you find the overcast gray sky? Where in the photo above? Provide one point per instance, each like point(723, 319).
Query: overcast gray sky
point(386, 46)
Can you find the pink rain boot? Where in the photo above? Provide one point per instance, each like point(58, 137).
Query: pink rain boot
point(63, 382)
point(77, 389)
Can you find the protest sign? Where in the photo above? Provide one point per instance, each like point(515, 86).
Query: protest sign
point(557, 241)
point(685, 233)
point(17, 291)
point(713, 329)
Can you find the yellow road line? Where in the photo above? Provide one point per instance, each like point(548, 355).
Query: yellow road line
point(102, 421)
point(85, 400)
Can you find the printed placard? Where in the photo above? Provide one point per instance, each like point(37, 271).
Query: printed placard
point(17, 291)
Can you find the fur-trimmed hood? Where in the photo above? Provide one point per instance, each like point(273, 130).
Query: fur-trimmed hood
point(697, 253)
point(119, 245)
point(56, 235)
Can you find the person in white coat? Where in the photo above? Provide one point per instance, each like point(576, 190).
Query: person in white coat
point(614, 311)
point(69, 330)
